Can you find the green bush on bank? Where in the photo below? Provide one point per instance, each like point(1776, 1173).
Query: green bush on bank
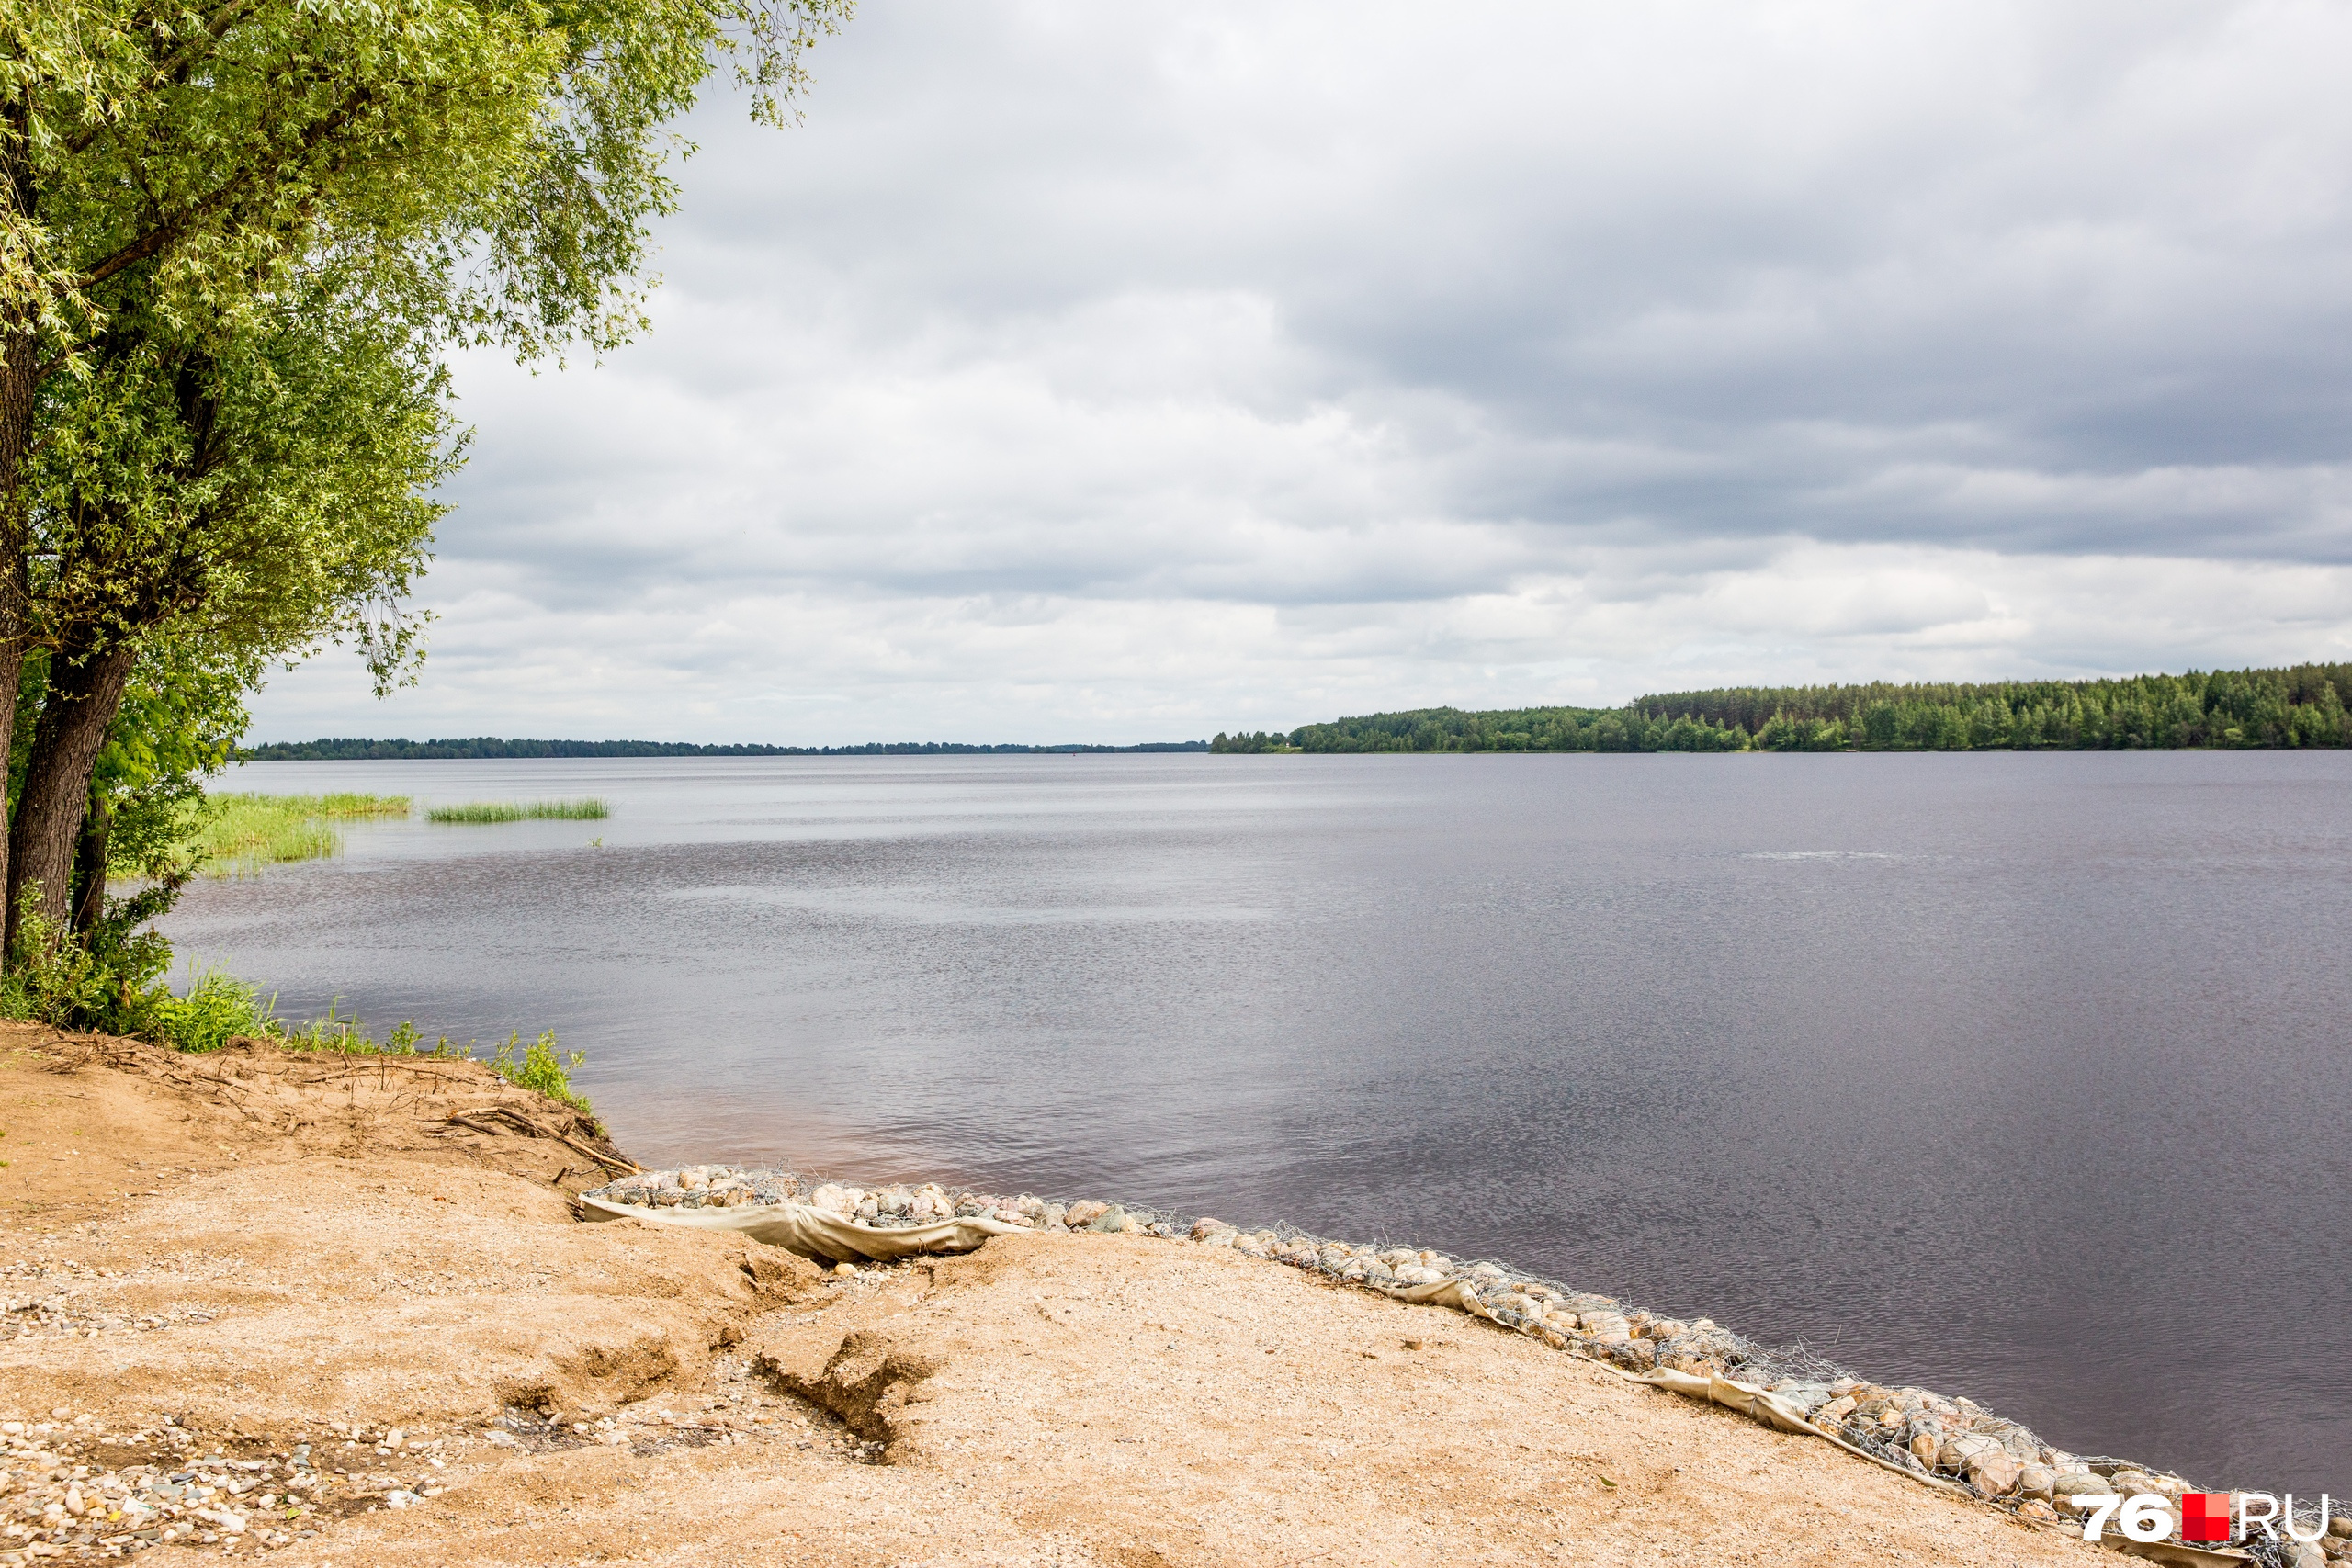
point(541, 1070)
point(113, 982)
point(109, 978)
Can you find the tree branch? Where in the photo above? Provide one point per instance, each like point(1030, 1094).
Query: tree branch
point(210, 36)
point(164, 233)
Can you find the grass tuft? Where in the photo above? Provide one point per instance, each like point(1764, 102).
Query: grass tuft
point(521, 811)
point(237, 835)
point(220, 1008)
point(541, 1068)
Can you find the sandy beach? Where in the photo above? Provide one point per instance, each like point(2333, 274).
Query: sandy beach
point(291, 1291)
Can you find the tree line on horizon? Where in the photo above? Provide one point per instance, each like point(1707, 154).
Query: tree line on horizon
point(489, 748)
point(2223, 709)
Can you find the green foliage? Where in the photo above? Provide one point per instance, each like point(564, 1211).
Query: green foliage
point(1250, 743)
point(179, 719)
point(237, 835)
point(112, 980)
point(541, 1070)
point(589, 810)
point(50, 978)
point(249, 493)
point(109, 980)
point(218, 1007)
point(2305, 706)
point(504, 158)
point(178, 722)
point(1524, 729)
point(237, 246)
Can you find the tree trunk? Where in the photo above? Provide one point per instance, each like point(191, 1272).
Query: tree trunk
point(17, 382)
point(90, 867)
point(84, 696)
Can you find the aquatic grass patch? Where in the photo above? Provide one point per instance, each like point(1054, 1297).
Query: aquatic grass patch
point(590, 810)
point(237, 835)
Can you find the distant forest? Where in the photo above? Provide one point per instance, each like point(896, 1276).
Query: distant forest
point(347, 750)
point(2227, 708)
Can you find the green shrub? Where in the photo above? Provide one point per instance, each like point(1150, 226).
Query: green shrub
point(218, 1008)
point(541, 1070)
point(110, 979)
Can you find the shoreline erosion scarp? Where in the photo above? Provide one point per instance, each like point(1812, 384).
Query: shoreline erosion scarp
point(1951, 1442)
point(315, 1309)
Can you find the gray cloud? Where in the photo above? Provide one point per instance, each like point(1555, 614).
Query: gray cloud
point(1366, 354)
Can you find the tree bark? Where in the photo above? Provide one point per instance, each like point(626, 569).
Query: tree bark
point(90, 867)
point(19, 381)
point(84, 693)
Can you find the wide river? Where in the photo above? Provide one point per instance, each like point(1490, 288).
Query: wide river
point(2022, 1077)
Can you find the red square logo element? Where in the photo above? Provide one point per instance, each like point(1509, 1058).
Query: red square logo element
point(2205, 1516)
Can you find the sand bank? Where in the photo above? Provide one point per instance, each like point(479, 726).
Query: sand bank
point(241, 1255)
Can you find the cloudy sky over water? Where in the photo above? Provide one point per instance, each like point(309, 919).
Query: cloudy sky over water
point(1129, 369)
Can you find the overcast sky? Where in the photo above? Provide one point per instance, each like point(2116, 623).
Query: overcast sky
point(1126, 369)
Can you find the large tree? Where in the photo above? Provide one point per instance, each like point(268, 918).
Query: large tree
point(493, 161)
point(236, 495)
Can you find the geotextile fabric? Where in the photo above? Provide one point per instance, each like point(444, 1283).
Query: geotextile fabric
point(1757, 1404)
point(818, 1233)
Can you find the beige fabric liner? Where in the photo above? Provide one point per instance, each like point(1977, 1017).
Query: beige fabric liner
point(836, 1238)
point(819, 1233)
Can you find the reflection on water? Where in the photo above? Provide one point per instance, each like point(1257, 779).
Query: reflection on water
point(1817, 854)
point(881, 907)
point(2021, 1076)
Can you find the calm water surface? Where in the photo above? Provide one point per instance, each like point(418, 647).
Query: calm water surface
point(2022, 1077)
